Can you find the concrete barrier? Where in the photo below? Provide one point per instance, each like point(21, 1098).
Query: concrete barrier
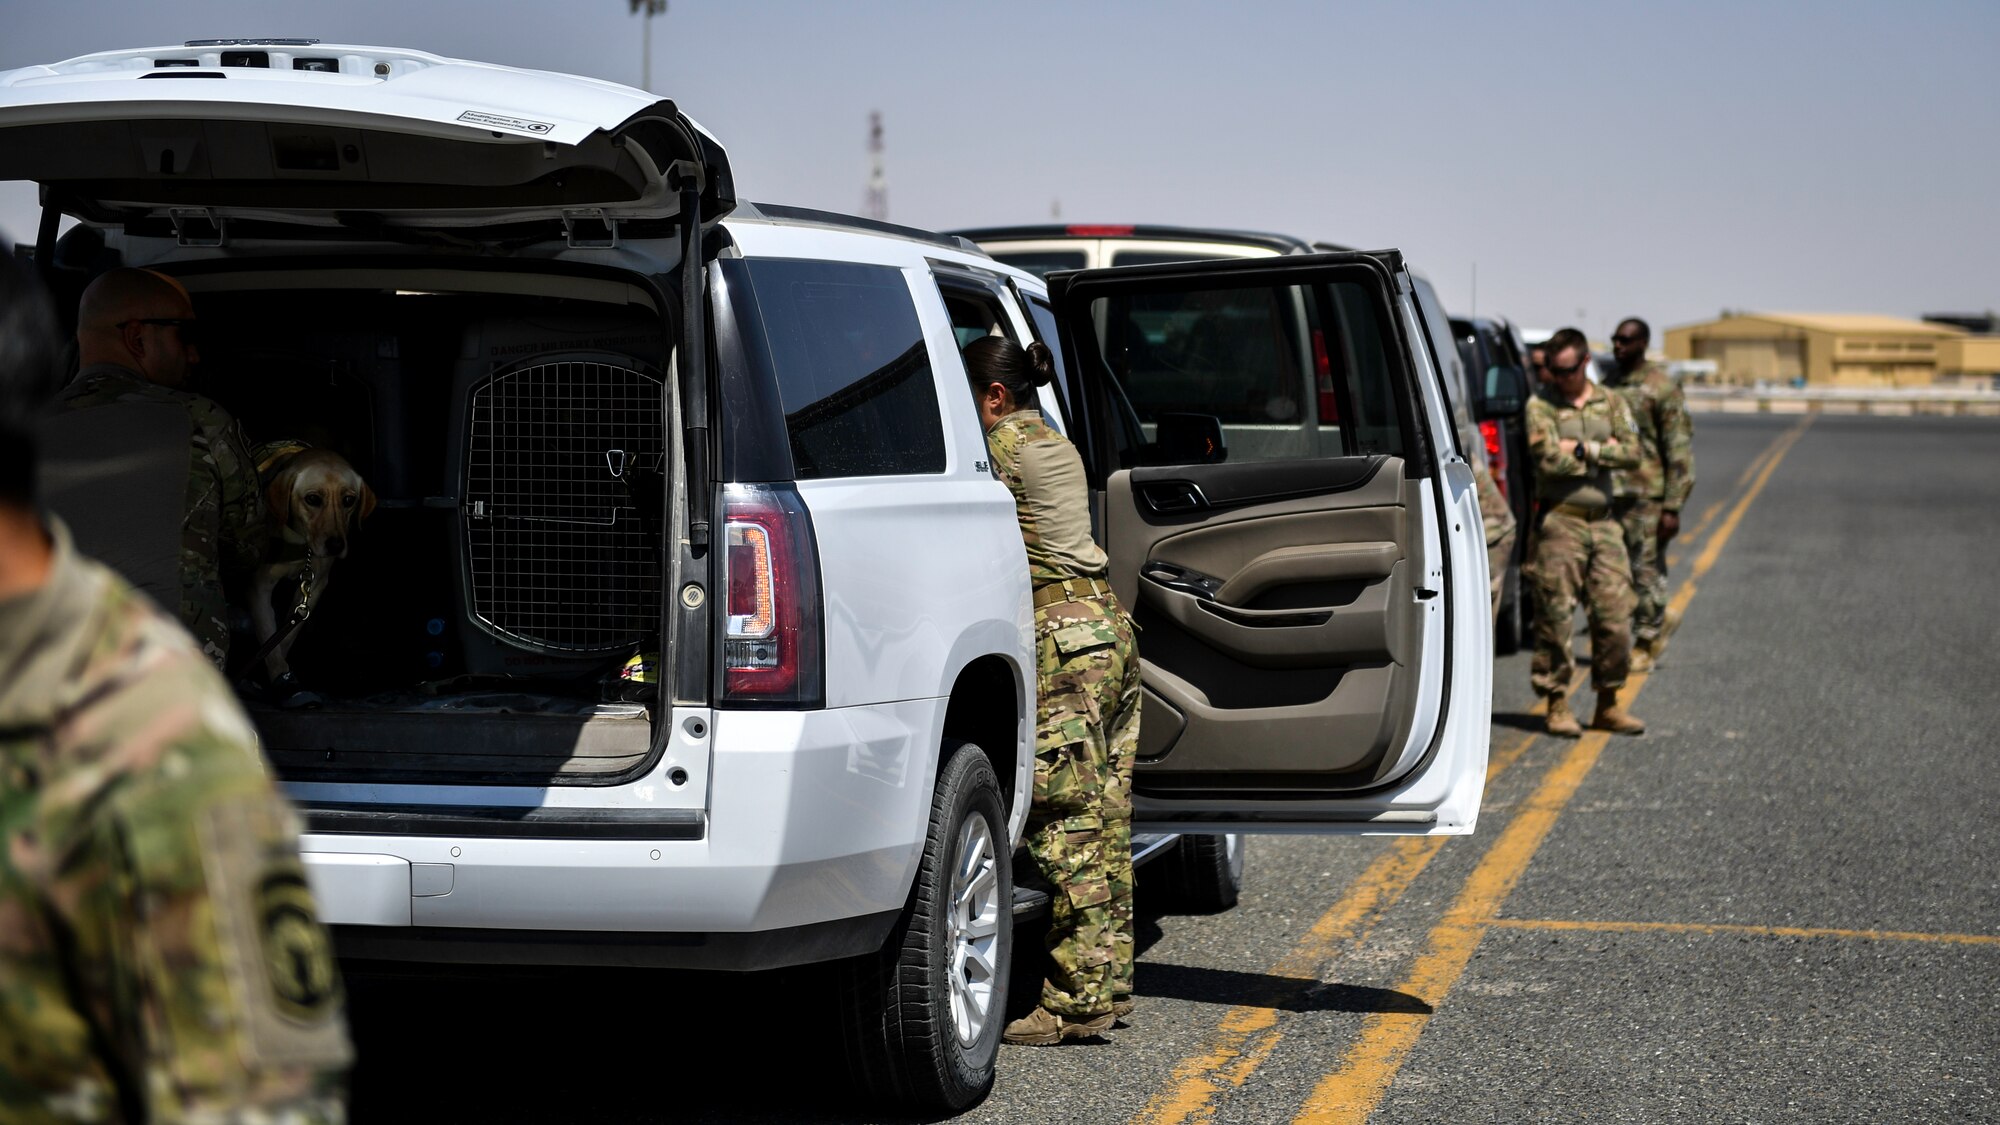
point(1882, 402)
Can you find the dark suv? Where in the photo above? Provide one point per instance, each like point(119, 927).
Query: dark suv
point(1496, 365)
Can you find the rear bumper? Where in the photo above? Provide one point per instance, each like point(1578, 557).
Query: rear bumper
point(742, 952)
point(815, 825)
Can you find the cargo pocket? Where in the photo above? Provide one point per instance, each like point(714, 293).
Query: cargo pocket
point(1081, 862)
point(1069, 771)
point(1079, 637)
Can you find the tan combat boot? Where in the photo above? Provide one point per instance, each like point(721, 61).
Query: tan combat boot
point(1560, 721)
point(1043, 1028)
point(1658, 644)
point(1610, 716)
point(1642, 658)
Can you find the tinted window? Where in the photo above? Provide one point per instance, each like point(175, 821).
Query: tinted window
point(1041, 263)
point(1230, 353)
point(851, 369)
point(1043, 320)
point(1451, 368)
point(974, 312)
point(1360, 356)
point(1290, 371)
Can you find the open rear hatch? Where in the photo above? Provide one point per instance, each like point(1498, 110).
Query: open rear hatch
point(295, 132)
point(214, 143)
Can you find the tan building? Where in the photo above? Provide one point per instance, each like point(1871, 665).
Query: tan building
point(1835, 350)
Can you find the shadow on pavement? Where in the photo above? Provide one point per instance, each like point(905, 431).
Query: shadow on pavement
point(1519, 721)
point(1257, 990)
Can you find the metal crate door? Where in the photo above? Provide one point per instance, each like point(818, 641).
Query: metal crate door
point(561, 456)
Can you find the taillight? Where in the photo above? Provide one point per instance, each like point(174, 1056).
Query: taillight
point(1098, 230)
point(1496, 452)
point(772, 614)
point(1329, 406)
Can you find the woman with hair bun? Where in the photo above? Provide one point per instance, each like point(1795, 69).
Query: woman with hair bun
point(1087, 717)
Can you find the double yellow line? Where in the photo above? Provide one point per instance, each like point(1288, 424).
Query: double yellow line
point(1248, 1034)
point(1353, 1091)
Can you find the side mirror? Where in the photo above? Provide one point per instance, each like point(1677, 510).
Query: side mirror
point(1506, 392)
point(1189, 439)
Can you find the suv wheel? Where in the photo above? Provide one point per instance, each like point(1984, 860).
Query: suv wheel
point(1203, 874)
point(922, 1017)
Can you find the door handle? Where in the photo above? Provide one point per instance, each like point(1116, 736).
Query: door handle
point(1173, 496)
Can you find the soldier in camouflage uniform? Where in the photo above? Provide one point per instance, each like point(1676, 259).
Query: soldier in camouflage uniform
point(1578, 435)
point(134, 339)
point(1650, 496)
point(1087, 715)
point(160, 959)
point(1498, 519)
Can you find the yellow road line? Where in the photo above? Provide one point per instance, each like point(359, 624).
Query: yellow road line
point(1753, 931)
point(1351, 1093)
point(1708, 515)
point(1248, 1033)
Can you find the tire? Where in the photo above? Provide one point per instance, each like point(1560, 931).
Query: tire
point(1511, 628)
point(921, 1018)
point(1202, 875)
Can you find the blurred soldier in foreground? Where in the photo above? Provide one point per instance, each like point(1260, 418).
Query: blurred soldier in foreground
point(160, 959)
point(136, 343)
point(1578, 435)
point(1649, 496)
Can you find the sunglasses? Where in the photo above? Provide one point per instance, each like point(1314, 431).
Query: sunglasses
point(1564, 372)
point(1628, 339)
point(188, 327)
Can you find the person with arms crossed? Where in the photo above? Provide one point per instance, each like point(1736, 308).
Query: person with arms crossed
point(1650, 495)
point(1579, 434)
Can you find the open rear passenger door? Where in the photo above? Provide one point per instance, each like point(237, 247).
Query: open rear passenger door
point(1291, 524)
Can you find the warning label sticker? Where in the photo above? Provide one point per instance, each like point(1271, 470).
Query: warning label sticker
point(496, 121)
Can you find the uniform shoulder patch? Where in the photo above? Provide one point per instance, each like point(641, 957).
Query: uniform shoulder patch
point(298, 955)
point(279, 956)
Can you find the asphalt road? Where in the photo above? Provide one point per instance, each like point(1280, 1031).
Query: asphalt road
point(1780, 904)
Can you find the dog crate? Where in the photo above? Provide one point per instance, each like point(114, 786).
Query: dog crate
point(563, 493)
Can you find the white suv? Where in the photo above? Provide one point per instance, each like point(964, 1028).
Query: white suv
point(619, 419)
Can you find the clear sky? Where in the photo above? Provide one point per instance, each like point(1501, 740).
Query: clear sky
point(1592, 159)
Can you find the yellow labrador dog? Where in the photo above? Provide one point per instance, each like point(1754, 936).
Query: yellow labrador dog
point(314, 500)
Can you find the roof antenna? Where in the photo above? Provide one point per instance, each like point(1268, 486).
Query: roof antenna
point(649, 8)
point(876, 205)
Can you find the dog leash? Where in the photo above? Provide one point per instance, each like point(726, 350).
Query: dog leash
point(300, 612)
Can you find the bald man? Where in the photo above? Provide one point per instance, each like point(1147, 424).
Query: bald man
point(136, 344)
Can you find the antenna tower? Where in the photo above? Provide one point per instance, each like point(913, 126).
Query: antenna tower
point(876, 205)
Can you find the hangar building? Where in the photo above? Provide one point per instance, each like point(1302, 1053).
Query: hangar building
point(1836, 350)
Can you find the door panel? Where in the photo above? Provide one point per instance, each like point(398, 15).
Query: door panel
point(1294, 589)
point(1267, 627)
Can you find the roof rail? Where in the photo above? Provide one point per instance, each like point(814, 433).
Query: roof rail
point(785, 213)
point(1282, 243)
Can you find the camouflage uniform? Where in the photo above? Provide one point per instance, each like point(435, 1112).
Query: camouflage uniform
point(1086, 722)
point(1579, 546)
point(222, 533)
point(160, 959)
point(1498, 519)
point(1659, 483)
